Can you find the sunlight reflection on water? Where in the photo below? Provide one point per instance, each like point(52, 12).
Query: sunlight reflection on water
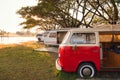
point(16, 40)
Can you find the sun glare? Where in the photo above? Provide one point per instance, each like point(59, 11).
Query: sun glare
point(9, 20)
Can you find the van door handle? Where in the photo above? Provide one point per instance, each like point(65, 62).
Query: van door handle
point(74, 47)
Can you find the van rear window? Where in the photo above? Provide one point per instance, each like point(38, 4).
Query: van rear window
point(83, 38)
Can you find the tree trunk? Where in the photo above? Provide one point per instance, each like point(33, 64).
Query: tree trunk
point(115, 12)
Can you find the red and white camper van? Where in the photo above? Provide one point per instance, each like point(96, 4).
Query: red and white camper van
point(90, 50)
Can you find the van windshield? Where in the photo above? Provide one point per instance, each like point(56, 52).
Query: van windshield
point(66, 38)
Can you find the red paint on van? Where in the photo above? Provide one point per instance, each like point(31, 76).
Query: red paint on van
point(70, 58)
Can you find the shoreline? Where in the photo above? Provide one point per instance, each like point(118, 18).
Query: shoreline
point(16, 40)
point(16, 36)
point(14, 44)
point(6, 45)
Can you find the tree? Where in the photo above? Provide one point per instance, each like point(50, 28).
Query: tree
point(70, 13)
point(106, 10)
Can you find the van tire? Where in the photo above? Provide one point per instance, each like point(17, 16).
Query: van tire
point(86, 70)
point(39, 39)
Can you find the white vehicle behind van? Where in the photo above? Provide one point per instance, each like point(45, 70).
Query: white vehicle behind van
point(54, 37)
point(40, 37)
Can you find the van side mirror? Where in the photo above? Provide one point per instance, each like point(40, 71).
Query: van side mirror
point(74, 47)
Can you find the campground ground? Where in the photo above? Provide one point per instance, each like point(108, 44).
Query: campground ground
point(22, 62)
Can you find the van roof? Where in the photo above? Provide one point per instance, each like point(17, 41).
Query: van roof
point(102, 28)
point(63, 29)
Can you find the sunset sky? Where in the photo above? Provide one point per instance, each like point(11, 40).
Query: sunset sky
point(9, 20)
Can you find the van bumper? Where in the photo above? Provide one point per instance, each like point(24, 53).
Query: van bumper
point(58, 66)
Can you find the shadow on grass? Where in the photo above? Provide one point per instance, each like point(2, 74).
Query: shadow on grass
point(67, 76)
point(99, 76)
point(109, 75)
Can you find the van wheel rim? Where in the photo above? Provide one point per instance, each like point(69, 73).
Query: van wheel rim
point(86, 71)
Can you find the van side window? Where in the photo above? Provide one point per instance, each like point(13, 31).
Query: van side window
point(53, 35)
point(109, 38)
point(83, 38)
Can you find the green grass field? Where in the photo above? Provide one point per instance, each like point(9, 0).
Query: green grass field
point(21, 62)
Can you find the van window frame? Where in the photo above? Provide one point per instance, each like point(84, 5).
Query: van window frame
point(66, 38)
point(86, 44)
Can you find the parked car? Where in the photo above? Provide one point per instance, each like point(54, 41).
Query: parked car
point(54, 37)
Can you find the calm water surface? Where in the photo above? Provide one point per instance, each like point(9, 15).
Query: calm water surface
point(12, 40)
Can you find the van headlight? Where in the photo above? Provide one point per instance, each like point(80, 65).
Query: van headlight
point(58, 55)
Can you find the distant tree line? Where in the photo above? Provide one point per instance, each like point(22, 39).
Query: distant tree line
point(25, 33)
point(2, 32)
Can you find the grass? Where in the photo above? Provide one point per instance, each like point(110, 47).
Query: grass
point(21, 62)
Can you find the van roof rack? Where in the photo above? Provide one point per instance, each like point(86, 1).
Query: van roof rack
point(99, 28)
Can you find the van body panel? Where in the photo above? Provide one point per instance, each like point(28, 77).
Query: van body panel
point(70, 59)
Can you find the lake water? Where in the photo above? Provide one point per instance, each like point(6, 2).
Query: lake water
point(16, 40)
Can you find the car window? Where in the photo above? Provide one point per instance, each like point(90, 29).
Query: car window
point(45, 34)
point(83, 38)
point(53, 35)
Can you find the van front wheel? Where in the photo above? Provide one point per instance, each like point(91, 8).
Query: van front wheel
point(86, 70)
